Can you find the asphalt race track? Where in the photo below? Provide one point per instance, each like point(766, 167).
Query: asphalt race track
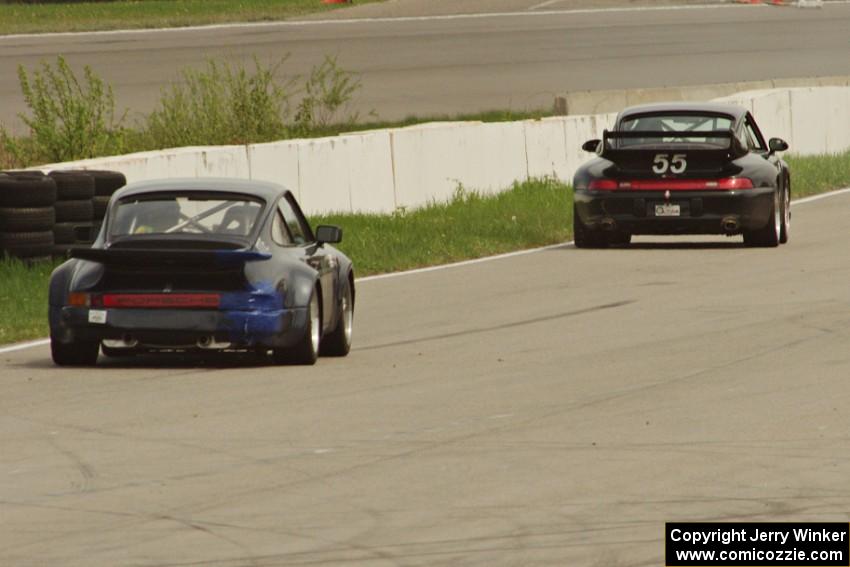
point(465, 64)
point(554, 408)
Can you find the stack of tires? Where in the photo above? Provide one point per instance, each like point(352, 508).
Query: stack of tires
point(74, 209)
point(82, 197)
point(27, 215)
point(43, 214)
point(105, 184)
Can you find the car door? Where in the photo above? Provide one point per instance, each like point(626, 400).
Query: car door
point(301, 237)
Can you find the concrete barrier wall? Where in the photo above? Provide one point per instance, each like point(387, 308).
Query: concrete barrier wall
point(276, 162)
point(370, 166)
point(323, 174)
point(598, 101)
point(546, 147)
point(826, 128)
point(431, 161)
point(813, 120)
point(382, 170)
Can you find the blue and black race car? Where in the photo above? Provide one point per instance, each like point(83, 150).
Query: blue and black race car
point(683, 168)
point(204, 265)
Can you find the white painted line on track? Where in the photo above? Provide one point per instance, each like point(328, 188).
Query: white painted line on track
point(545, 4)
point(548, 3)
point(805, 200)
point(462, 263)
point(801, 201)
point(26, 345)
point(399, 19)
point(446, 17)
point(43, 342)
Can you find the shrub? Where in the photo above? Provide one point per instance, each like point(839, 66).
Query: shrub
point(221, 104)
point(69, 118)
point(327, 91)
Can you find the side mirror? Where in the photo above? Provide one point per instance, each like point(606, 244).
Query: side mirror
point(777, 145)
point(328, 234)
point(591, 146)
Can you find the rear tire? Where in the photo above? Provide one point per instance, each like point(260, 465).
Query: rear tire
point(584, 237)
point(785, 229)
point(621, 238)
point(306, 351)
point(768, 236)
point(338, 341)
point(76, 353)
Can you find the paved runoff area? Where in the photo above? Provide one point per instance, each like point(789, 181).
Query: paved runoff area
point(555, 408)
point(432, 57)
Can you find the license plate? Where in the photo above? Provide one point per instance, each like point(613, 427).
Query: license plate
point(668, 210)
point(97, 316)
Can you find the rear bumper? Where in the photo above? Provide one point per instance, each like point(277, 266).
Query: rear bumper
point(181, 328)
point(701, 212)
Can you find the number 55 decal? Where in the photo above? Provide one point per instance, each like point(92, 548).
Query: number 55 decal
point(663, 163)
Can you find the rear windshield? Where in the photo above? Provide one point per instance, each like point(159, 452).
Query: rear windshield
point(676, 123)
point(213, 215)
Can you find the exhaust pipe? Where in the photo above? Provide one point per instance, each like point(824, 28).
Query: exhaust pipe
point(207, 342)
point(127, 341)
point(608, 224)
point(730, 225)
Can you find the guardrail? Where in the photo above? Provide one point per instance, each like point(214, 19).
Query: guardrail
point(379, 171)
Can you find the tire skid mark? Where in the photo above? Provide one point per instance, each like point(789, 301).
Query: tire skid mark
point(87, 472)
point(330, 545)
point(590, 403)
point(496, 544)
point(501, 326)
point(429, 446)
point(172, 442)
point(205, 530)
point(772, 507)
point(139, 519)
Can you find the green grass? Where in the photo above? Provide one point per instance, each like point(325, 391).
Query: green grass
point(75, 116)
point(531, 214)
point(818, 174)
point(135, 140)
point(85, 16)
point(484, 116)
point(23, 300)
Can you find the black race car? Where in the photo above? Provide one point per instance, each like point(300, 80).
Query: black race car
point(204, 265)
point(683, 169)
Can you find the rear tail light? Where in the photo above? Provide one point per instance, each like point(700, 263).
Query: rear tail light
point(162, 300)
point(735, 183)
point(723, 184)
point(146, 300)
point(79, 300)
point(603, 185)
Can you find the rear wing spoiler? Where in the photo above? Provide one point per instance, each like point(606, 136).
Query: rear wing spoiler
point(735, 149)
point(147, 258)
